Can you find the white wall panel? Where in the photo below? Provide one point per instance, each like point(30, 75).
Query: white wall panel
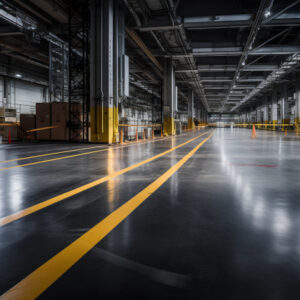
point(26, 95)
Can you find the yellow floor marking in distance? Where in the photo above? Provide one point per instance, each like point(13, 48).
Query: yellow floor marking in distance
point(43, 277)
point(76, 155)
point(55, 153)
point(74, 150)
point(66, 151)
point(32, 209)
point(49, 154)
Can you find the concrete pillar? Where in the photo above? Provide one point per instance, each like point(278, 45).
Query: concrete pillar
point(104, 71)
point(266, 112)
point(297, 114)
point(253, 116)
point(191, 124)
point(258, 115)
point(118, 25)
point(274, 105)
point(201, 115)
point(284, 109)
point(248, 116)
point(169, 97)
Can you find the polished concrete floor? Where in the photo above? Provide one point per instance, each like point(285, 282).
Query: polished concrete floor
point(226, 225)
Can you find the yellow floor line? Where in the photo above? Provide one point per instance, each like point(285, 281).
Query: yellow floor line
point(43, 277)
point(79, 149)
point(56, 153)
point(49, 154)
point(77, 155)
point(32, 209)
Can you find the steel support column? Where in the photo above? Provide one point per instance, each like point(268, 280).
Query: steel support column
point(169, 97)
point(274, 113)
point(297, 114)
point(258, 116)
point(191, 124)
point(284, 109)
point(103, 69)
point(266, 112)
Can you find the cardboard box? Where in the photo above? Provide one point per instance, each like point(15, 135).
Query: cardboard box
point(59, 115)
point(43, 119)
point(27, 122)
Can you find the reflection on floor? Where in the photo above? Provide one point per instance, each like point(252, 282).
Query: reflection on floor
point(225, 226)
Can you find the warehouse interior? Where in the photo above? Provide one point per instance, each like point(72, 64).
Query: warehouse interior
point(149, 149)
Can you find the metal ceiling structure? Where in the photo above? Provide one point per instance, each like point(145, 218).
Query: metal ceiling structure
point(228, 52)
point(242, 42)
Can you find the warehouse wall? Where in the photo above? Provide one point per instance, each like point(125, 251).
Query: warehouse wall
point(21, 95)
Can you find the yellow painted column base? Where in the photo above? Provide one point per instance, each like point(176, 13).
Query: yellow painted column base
point(169, 126)
point(116, 138)
point(102, 125)
point(285, 122)
point(297, 124)
point(266, 122)
point(191, 124)
point(274, 122)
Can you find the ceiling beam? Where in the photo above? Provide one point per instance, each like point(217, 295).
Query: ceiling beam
point(224, 21)
point(238, 21)
point(237, 51)
point(230, 68)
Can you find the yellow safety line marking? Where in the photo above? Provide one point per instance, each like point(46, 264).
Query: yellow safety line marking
point(60, 152)
point(56, 153)
point(132, 125)
point(43, 277)
point(76, 155)
point(49, 154)
point(66, 151)
point(32, 209)
point(43, 128)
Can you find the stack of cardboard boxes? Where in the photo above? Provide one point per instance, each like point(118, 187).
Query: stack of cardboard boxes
point(27, 122)
point(59, 118)
point(56, 114)
point(43, 119)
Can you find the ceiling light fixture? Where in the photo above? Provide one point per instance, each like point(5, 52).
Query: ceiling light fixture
point(267, 13)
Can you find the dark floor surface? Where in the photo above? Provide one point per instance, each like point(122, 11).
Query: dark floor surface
point(225, 226)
